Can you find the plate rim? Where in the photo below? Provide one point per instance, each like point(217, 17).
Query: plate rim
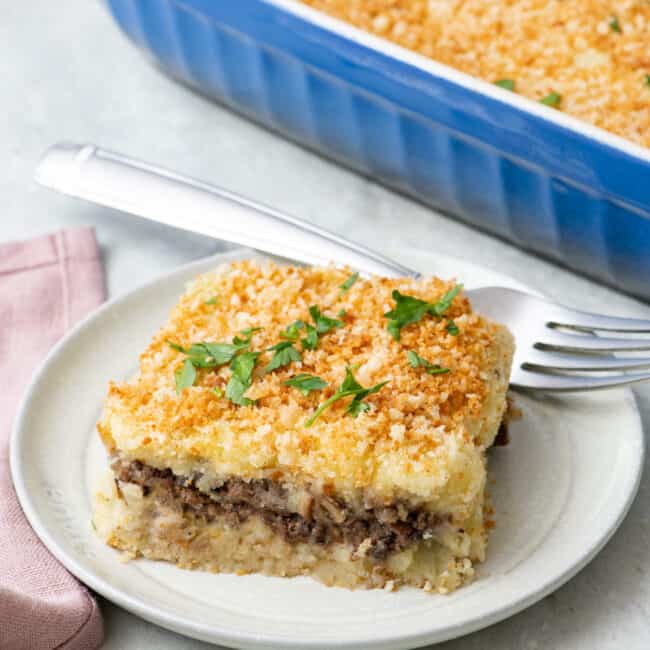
point(213, 633)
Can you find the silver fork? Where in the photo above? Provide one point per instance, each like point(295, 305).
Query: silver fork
point(556, 346)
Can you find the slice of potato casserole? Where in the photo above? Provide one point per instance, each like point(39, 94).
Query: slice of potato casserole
point(305, 421)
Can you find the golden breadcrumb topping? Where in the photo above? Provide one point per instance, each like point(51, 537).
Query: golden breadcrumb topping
point(414, 428)
point(590, 58)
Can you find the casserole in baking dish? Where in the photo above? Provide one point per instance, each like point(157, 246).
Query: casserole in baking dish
point(590, 58)
point(534, 176)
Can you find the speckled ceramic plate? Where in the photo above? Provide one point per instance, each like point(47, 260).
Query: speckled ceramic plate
point(563, 485)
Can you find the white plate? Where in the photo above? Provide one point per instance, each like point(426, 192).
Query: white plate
point(563, 485)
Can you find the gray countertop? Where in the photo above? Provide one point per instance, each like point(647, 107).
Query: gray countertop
point(67, 73)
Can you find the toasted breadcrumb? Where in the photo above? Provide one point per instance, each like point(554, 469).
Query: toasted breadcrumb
point(416, 425)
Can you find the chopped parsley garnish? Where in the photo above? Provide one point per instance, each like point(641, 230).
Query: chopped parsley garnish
point(407, 310)
point(508, 84)
point(310, 342)
point(452, 328)
point(208, 355)
point(323, 323)
point(417, 361)
point(284, 354)
point(305, 383)
point(347, 285)
point(349, 387)
point(247, 335)
point(212, 301)
point(444, 303)
point(185, 376)
point(552, 99)
point(242, 367)
point(615, 25)
point(647, 80)
point(291, 333)
point(411, 310)
point(218, 392)
point(340, 313)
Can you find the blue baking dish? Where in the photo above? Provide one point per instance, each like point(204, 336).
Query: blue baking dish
point(524, 172)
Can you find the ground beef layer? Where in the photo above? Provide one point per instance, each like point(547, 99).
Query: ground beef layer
point(382, 530)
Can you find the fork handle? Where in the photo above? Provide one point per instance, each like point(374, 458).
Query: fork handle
point(142, 189)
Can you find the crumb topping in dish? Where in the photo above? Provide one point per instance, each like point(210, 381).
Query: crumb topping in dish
point(590, 58)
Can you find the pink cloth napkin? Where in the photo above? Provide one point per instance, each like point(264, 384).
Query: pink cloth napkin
point(46, 285)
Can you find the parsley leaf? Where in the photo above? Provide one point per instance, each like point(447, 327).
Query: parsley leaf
point(247, 335)
point(508, 84)
point(552, 99)
point(175, 346)
point(185, 376)
point(614, 24)
point(355, 407)
point(323, 323)
point(444, 303)
point(209, 355)
point(417, 361)
point(349, 387)
point(647, 80)
point(305, 383)
point(411, 310)
point(413, 358)
point(340, 313)
point(218, 392)
point(310, 342)
point(242, 367)
point(212, 301)
point(452, 328)
point(407, 310)
point(291, 332)
point(285, 353)
point(347, 285)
